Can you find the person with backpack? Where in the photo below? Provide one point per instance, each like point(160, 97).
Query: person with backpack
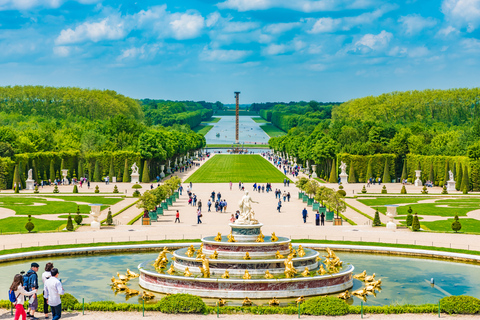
point(30, 281)
point(45, 276)
point(17, 294)
point(53, 291)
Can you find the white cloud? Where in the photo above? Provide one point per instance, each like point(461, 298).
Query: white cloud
point(298, 5)
point(223, 55)
point(212, 19)
point(23, 5)
point(277, 28)
point(445, 32)
point(61, 51)
point(323, 25)
point(233, 27)
point(110, 28)
point(143, 52)
point(187, 26)
point(471, 45)
point(275, 49)
point(414, 23)
point(463, 13)
point(373, 41)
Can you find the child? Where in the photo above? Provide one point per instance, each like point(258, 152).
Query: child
point(20, 293)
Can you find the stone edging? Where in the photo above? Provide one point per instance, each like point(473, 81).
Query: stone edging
point(151, 247)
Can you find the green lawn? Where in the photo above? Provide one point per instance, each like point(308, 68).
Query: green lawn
point(260, 120)
point(17, 225)
point(213, 120)
point(272, 131)
point(24, 205)
point(468, 225)
point(245, 168)
point(202, 129)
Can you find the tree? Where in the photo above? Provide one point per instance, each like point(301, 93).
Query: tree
point(415, 223)
point(35, 172)
point(369, 170)
point(431, 175)
point(147, 201)
point(409, 220)
point(78, 217)
point(364, 190)
point(301, 183)
point(386, 172)
point(333, 173)
point(456, 225)
point(111, 172)
point(311, 187)
point(29, 225)
point(465, 179)
point(109, 217)
point(322, 195)
point(55, 189)
point(404, 190)
point(115, 189)
point(62, 165)
point(80, 169)
point(36, 189)
point(351, 174)
point(444, 190)
point(404, 171)
point(16, 179)
point(376, 220)
point(96, 175)
point(458, 183)
point(126, 177)
point(75, 189)
point(146, 173)
point(336, 202)
point(445, 178)
point(97, 189)
point(69, 223)
point(384, 189)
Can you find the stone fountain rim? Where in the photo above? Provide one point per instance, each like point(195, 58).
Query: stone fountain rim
point(245, 243)
point(242, 261)
point(246, 226)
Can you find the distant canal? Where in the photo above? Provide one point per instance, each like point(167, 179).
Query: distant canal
point(249, 131)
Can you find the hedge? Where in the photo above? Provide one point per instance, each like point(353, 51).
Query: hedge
point(360, 164)
point(266, 114)
point(438, 162)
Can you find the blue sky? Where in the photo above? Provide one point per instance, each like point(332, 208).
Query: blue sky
point(270, 50)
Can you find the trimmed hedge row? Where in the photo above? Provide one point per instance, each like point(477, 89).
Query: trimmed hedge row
point(361, 163)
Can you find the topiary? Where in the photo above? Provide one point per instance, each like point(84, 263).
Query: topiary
point(456, 225)
point(465, 190)
point(136, 193)
point(136, 186)
point(460, 305)
point(78, 219)
point(109, 217)
point(415, 223)
point(404, 190)
point(97, 189)
point(376, 220)
point(75, 189)
point(115, 189)
point(327, 306)
point(409, 220)
point(69, 223)
point(384, 189)
point(181, 303)
point(444, 191)
point(424, 190)
point(342, 192)
point(17, 190)
point(364, 190)
point(29, 225)
point(340, 186)
point(55, 189)
point(36, 189)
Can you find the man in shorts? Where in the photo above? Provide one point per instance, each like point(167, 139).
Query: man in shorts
point(30, 285)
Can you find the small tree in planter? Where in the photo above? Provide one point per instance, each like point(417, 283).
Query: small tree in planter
point(300, 184)
point(409, 220)
point(97, 189)
point(69, 223)
point(364, 190)
point(424, 190)
point(444, 191)
point(36, 189)
point(109, 217)
point(415, 223)
point(322, 195)
point(29, 225)
point(404, 190)
point(115, 189)
point(456, 225)
point(336, 201)
point(384, 189)
point(55, 189)
point(376, 220)
point(147, 202)
point(75, 189)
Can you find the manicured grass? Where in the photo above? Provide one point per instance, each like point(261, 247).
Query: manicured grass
point(260, 120)
point(17, 225)
point(272, 131)
point(65, 216)
point(468, 225)
point(202, 129)
point(392, 200)
point(229, 146)
point(245, 168)
point(213, 120)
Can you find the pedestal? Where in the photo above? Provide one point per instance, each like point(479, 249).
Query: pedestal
point(169, 170)
point(314, 171)
point(245, 232)
point(114, 179)
point(135, 177)
point(95, 225)
point(391, 225)
point(451, 186)
point(344, 178)
point(418, 183)
point(30, 184)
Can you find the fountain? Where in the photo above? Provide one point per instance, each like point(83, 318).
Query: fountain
point(246, 264)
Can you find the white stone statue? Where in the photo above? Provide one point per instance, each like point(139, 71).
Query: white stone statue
point(343, 167)
point(247, 216)
point(134, 168)
point(30, 172)
point(450, 173)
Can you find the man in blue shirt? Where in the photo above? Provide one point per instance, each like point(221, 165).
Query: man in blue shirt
point(53, 291)
point(304, 214)
point(32, 283)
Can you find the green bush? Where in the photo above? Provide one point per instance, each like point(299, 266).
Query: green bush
point(29, 225)
point(75, 189)
point(465, 190)
point(376, 220)
point(97, 189)
point(409, 220)
point(78, 219)
point(460, 305)
point(342, 192)
point(69, 223)
point(424, 190)
point(415, 223)
point(55, 189)
point(182, 303)
point(115, 189)
point(404, 190)
point(136, 193)
point(328, 306)
point(444, 190)
point(364, 190)
point(109, 217)
point(36, 189)
point(136, 186)
point(456, 225)
point(384, 189)
point(69, 302)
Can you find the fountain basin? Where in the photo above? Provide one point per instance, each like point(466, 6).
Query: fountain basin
point(237, 250)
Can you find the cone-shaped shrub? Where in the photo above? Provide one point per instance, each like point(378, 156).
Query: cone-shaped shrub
point(97, 189)
point(52, 171)
point(78, 217)
point(369, 171)
point(415, 223)
point(456, 225)
point(364, 190)
point(351, 174)
point(111, 172)
point(386, 173)
point(55, 189)
point(404, 190)
point(75, 189)
point(445, 178)
point(333, 174)
point(431, 175)
point(36, 189)
point(109, 217)
point(69, 223)
point(424, 190)
point(376, 220)
point(404, 171)
point(96, 174)
point(146, 173)
point(409, 220)
point(115, 189)
point(126, 177)
point(444, 191)
point(384, 189)
point(465, 179)
point(29, 225)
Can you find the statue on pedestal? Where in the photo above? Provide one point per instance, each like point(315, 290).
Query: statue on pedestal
point(31, 178)
point(343, 167)
point(247, 215)
point(134, 168)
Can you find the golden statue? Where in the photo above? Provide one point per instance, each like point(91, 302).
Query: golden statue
point(318, 259)
point(290, 271)
point(190, 251)
point(247, 302)
point(361, 276)
point(165, 250)
point(226, 275)
point(187, 273)
point(247, 256)
point(370, 278)
point(205, 268)
point(200, 252)
point(306, 272)
point(260, 237)
point(121, 287)
point(221, 302)
point(321, 271)
point(218, 237)
point(268, 275)
point(300, 299)
point(132, 274)
point(293, 253)
point(147, 295)
point(377, 284)
point(122, 277)
point(360, 292)
point(290, 247)
point(247, 275)
point(274, 237)
point(161, 264)
point(231, 238)
point(116, 281)
point(300, 251)
point(131, 292)
point(331, 254)
point(345, 295)
point(278, 255)
point(171, 270)
point(274, 302)
point(214, 255)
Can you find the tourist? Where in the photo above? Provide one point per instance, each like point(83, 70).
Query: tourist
point(279, 205)
point(288, 196)
point(237, 214)
point(232, 218)
point(216, 206)
point(288, 182)
point(177, 217)
point(209, 204)
point(285, 181)
point(230, 185)
point(263, 188)
point(191, 185)
point(255, 186)
point(45, 276)
point(20, 293)
point(219, 196)
point(239, 185)
point(317, 218)
point(243, 187)
point(213, 196)
point(200, 205)
point(180, 189)
point(259, 189)
point(322, 218)
point(194, 203)
point(225, 205)
point(284, 196)
point(31, 282)
point(379, 181)
point(199, 215)
point(305, 215)
point(53, 291)
point(88, 184)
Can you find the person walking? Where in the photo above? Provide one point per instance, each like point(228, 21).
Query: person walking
point(305, 215)
point(53, 291)
point(317, 219)
point(199, 215)
point(225, 205)
point(288, 196)
point(232, 218)
point(17, 288)
point(279, 205)
point(213, 196)
point(200, 205)
point(230, 185)
point(284, 196)
point(32, 283)
point(45, 276)
point(322, 219)
point(209, 204)
point(177, 217)
point(191, 185)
